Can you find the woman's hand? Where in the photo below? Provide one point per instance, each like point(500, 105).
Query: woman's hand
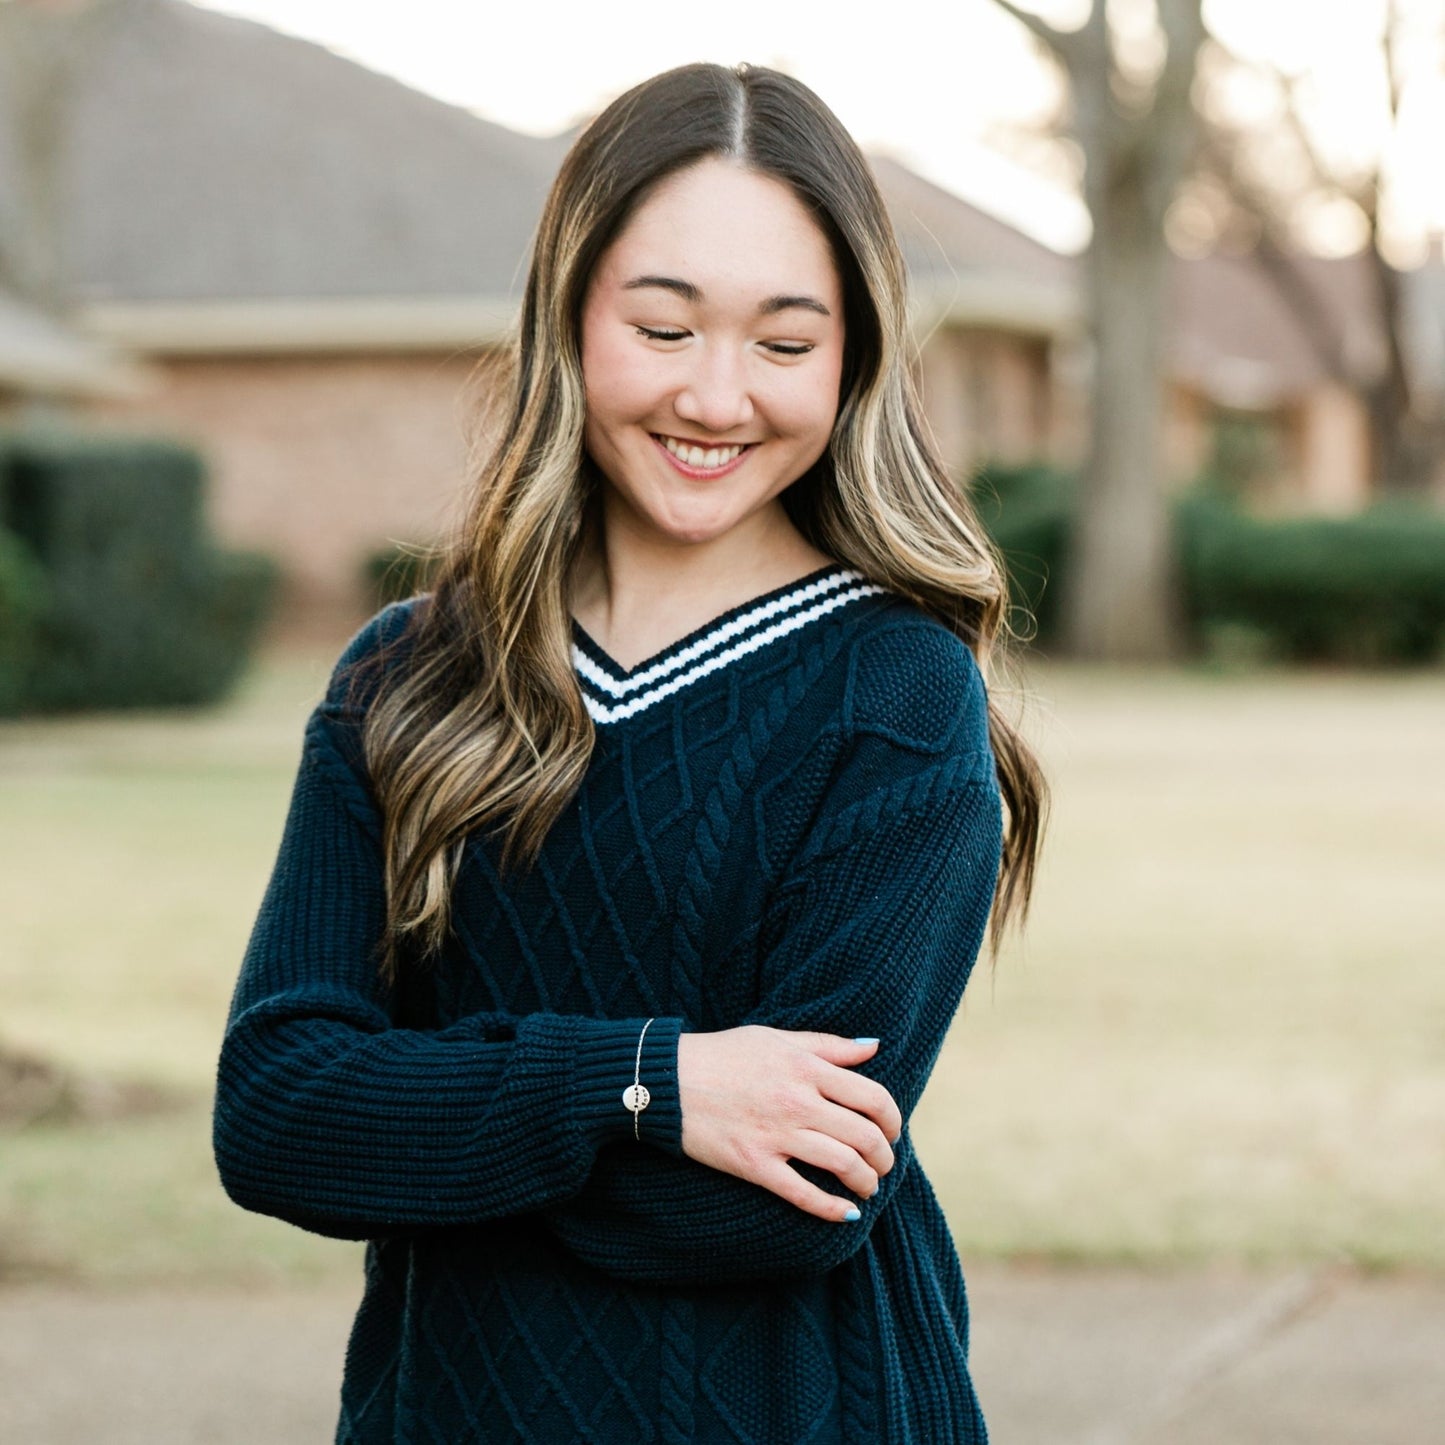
point(755, 1097)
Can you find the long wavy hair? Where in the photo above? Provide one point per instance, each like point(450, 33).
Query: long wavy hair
point(485, 727)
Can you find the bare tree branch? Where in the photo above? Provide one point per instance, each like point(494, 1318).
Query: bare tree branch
point(1393, 78)
point(1220, 153)
point(1291, 89)
point(1324, 172)
point(1066, 45)
point(1407, 425)
point(43, 49)
point(1095, 30)
point(1172, 115)
point(1183, 24)
point(1104, 129)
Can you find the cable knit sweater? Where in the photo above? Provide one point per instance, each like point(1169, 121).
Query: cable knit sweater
point(791, 817)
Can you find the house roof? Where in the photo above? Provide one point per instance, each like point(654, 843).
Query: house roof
point(213, 158)
point(41, 357)
point(231, 187)
point(1235, 336)
point(967, 266)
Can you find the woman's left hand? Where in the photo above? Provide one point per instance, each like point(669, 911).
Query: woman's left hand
point(755, 1097)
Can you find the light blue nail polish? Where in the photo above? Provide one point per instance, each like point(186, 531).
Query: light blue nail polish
point(851, 1215)
point(865, 1041)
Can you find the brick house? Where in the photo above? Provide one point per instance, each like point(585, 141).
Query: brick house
point(1252, 393)
point(311, 257)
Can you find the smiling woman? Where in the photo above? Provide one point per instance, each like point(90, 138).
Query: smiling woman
point(633, 876)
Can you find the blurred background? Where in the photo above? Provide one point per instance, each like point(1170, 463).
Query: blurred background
point(1179, 303)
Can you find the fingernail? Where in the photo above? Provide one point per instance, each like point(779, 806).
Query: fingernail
point(865, 1041)
point(851, 1215)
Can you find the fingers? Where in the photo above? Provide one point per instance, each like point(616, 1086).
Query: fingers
point(835, 1048)
point(868, 1118)
point(755, 1097)
point(864, 1096)
point(854, 1172)
point(788, 1184)
point(862, 1139)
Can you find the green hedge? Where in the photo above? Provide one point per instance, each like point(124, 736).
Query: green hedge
point(22, 605)
point(139, 608)
point(1367, 589)
point(1028, 511)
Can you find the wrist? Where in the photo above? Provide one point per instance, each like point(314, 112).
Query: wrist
point(607, 1064)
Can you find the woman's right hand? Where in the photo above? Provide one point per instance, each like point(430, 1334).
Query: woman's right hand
point(755, 1097)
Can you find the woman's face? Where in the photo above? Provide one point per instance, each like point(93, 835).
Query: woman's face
point(712, 351)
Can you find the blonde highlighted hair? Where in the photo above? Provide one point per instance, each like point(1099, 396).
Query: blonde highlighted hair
point(485, 727)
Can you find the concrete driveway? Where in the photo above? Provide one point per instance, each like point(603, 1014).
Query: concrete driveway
point(1061, 1357)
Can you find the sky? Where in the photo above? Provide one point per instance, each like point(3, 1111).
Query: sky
point(939, 86)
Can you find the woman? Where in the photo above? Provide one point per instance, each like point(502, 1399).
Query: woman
point(633, 876)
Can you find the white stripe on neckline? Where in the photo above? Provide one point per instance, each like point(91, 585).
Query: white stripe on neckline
point(714, 638)
point(851, 582)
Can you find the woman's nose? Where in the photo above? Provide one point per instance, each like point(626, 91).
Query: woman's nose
point(715, 395)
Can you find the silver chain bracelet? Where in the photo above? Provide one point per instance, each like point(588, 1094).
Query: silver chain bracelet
point(636, 1095)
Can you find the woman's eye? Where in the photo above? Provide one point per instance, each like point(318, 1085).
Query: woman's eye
point(654, 333)
point(786, 349)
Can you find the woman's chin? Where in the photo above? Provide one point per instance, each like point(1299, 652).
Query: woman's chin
point(694, 530)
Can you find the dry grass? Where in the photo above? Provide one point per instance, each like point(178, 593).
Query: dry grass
point(134, 853)
point(1223, 1035)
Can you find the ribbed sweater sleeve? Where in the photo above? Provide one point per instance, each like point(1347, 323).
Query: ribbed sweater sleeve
point(879, 923)
point(329, 1115)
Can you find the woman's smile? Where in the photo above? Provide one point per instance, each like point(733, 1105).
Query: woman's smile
point(693, 459)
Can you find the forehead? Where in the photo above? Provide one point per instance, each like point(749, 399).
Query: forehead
point(730, 231)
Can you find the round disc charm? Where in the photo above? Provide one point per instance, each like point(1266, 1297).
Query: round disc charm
point(635, 1097)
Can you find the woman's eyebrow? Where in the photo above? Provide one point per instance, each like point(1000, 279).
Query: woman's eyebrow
point(691, 293)
point(789, 303)
point(685, 289)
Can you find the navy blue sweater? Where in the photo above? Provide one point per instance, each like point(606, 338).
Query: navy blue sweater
point(791, 817)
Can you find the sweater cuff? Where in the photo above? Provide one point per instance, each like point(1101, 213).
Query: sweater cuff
point(605, 1065)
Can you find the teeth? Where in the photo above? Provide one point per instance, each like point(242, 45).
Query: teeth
point(697, 457)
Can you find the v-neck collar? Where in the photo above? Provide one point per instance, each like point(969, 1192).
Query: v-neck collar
point(613, 692)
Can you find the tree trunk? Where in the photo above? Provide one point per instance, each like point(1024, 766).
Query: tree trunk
point(1406, 441)
point(43, 47)
point(1137, 135)
point(1123, 598)
point(1122, 574)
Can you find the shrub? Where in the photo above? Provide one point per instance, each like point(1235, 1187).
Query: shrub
point(141, 609)
point(1028, 511)
point(22, 604)
point(1364, 589)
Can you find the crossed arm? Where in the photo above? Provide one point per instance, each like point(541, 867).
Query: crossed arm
point(877, 939)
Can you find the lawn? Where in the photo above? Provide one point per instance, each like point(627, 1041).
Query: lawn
point(1223, 1034)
